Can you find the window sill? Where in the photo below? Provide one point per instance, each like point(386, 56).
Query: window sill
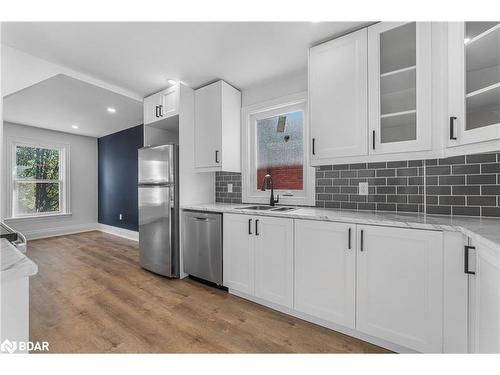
point(32, 217)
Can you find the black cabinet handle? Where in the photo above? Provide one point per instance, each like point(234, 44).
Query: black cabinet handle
point(156, 111)
point(160, 110)
point(466, 259)
point(314, 146)
point(452, 127)
point(349, 239)
point(257, 227)
point(373, 139)
point(249, 226)
point(217, 156)
point(362, 241)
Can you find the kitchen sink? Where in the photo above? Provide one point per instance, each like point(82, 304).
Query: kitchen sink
point(268, 208)
point(258, 208)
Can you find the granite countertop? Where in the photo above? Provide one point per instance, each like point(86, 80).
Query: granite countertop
point(486, 230)
point(13, 263)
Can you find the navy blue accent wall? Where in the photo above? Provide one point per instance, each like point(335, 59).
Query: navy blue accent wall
point(118, 177)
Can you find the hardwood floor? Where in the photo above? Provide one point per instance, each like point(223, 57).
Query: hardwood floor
point(91, 296)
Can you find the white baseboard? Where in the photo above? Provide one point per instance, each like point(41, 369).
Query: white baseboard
point(120, 232)
point(53, 232)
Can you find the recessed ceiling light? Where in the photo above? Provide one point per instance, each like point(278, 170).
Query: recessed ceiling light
point(111, 110)
point(171, 81)
point(74, 126)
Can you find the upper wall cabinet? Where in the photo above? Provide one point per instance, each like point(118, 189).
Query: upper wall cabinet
point(161, 105)
point(473, 82)
point(338, 98)
point(399, 74)
point(217, 128)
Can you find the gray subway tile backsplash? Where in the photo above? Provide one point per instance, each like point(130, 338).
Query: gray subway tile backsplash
point(459, 185)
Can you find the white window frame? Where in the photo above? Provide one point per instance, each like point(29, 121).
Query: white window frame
point(64, 181)
point(250, 193)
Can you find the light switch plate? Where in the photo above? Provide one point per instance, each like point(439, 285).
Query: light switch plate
point(363, 188)
point(229, 188)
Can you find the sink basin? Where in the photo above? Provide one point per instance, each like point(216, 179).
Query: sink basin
point(268, 208)
point(283, 209)
point(258, 208)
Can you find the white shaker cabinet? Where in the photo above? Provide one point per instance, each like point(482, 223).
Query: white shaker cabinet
point(400, 286)
point(483, 266)
point(238, 253)
point(217, 128)
point(325, 270)
point(338, 98)
point(473, 82)
point(161, 105)
point(274, 260)
point(258, 257)
point(399, 81)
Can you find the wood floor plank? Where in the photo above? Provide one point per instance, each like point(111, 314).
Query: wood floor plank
point(91, 296)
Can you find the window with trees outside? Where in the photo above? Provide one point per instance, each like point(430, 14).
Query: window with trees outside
point(38, 185)
point(276, 144)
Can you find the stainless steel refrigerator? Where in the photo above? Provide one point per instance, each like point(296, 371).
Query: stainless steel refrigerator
point(159, 209)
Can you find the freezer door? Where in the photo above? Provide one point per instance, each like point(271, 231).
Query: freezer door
point(202, 245)
point(156, 244)
point(157, 165)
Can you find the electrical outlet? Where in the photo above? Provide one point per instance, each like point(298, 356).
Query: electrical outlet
point(363, 188)
point(229, 188)
point(120, 217)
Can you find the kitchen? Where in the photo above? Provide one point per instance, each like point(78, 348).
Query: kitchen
point(341, 196)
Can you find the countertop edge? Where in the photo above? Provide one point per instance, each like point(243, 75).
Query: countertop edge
point(17, 264)
point(405, 222)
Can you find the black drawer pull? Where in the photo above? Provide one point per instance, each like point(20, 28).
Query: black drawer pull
point(466, 259)
point(349, 240)
point(452, 128)
point(314, 146)
point(250, 226)
point(257, 227)
point(362, 241)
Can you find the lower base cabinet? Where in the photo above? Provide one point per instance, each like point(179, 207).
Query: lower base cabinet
point(484, 299)
point(325, 270)
point(400, 286)
point(258, 257)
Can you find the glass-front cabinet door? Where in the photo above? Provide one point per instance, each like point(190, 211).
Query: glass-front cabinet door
point(473, 82)
point(399, 87)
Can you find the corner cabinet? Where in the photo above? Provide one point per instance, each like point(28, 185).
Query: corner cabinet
point(338, 98)
point(399, 74)
point(473, 82)
point(483, 267)
point(217, 128)
point(161, 105)
point(258, 257)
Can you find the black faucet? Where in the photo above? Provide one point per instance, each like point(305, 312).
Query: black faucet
point(272, 201)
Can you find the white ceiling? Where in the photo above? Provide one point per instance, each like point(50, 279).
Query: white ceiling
point(61, 101)
point(141, 56)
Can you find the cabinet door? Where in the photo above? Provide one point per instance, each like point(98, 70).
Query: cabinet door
point(238, 253)
point(399, 73)
point(208, 126)
point(400, 286)
point(338, 98)
point(274, 260)
point(325, 270)
point(473, 82)
point(170, 102)
point(151, 108)
point(484, 300)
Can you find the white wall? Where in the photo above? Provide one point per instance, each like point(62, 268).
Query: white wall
point(83, 183)
point(280, 86)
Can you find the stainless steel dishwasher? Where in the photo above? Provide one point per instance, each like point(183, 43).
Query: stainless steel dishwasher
point(202, 245)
